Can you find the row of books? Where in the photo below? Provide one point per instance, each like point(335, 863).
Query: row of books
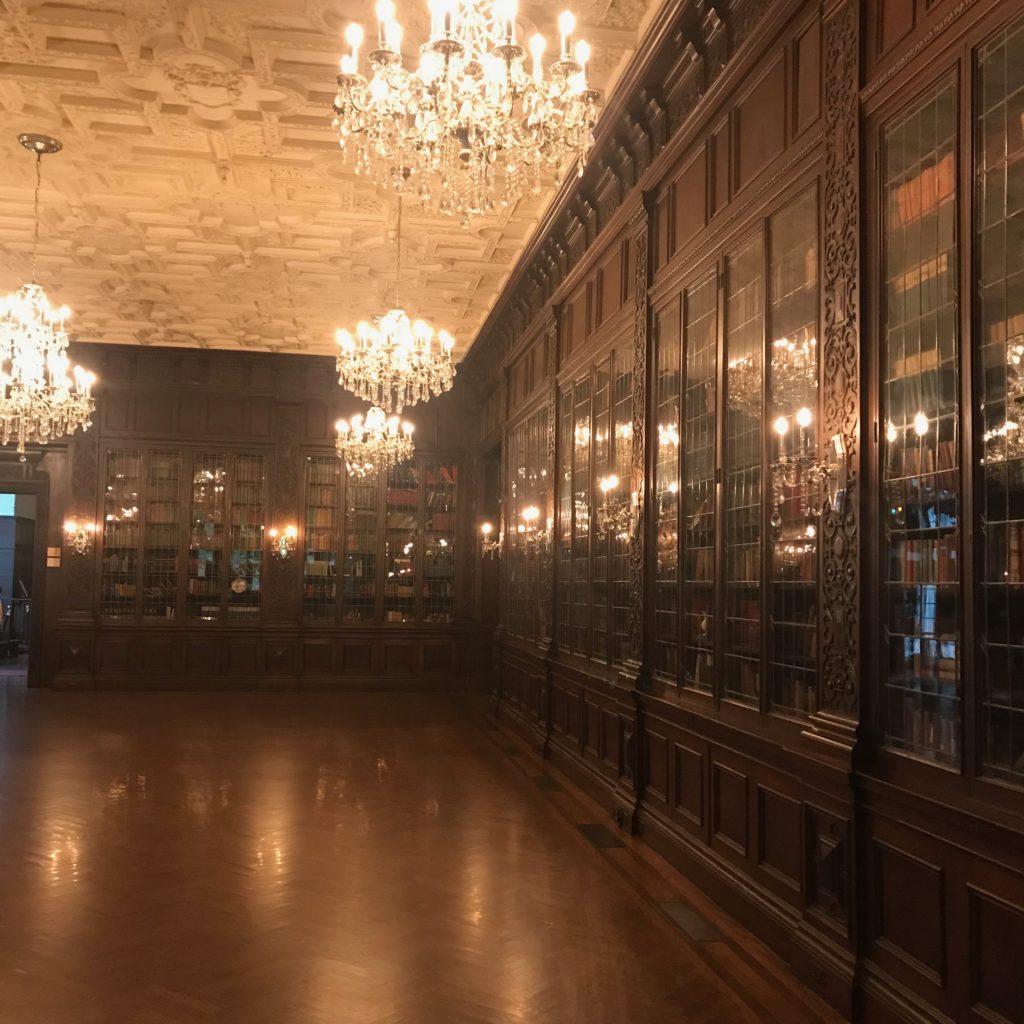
point(119, 563)
point(743, 562)
point(1005, 553)
point(923, 726)
point(924, 459)
point(929, 560)
point(925, 191)
point(119, 590)
point(312, 567)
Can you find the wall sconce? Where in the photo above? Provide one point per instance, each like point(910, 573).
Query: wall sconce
point(283, 544)
point(78, 536)
point(614, 516)
point(489, 544)
point(826, 478)
point(529, 530)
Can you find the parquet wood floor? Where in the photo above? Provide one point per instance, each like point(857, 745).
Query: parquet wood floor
point(297, 859)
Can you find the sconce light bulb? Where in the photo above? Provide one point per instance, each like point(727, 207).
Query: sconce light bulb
point(486, 529)
point(803, 417)
point(921, 424)
point(781, 426)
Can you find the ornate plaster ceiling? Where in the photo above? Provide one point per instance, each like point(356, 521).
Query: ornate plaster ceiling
point(201, 198)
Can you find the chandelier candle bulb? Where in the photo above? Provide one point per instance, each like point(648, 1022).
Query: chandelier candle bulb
point(566, 24)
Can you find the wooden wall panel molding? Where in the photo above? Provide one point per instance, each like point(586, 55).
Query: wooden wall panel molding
point(996, 935)
point(923, 43)
point(909, 910)
point(828, 862)
point(840, 358)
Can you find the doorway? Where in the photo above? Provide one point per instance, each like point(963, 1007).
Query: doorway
point(18, 521)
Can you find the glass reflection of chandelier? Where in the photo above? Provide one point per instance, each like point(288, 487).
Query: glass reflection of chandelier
point(1006, 441)
point(374, 444)
point(395, 361)
point(470, 126)
point(39, 400)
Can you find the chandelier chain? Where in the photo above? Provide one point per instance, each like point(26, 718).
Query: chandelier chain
point(35, 237)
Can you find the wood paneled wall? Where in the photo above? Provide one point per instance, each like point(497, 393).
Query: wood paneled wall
point(284, 408)
point(896, 891)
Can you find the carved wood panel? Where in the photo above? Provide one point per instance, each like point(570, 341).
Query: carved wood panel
point(840, 357)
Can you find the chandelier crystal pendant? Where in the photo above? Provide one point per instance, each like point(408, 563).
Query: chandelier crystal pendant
point(39, 399)
point(372, 445)
point(395, 361)
point(471, 127)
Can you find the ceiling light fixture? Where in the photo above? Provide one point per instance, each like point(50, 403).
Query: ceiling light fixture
point(374, 444)
point(471, 126)
point(39, 400)
point(395, 362)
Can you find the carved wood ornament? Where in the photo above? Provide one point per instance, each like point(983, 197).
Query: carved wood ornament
point(840, 358)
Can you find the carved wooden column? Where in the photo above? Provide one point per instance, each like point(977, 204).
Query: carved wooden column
point(840, 540)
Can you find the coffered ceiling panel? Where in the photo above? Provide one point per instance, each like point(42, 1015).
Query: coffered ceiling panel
point(201, 198)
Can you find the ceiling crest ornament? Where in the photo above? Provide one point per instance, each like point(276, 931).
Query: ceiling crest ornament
point(206, 84)
point(39, 400)
point(472, 127)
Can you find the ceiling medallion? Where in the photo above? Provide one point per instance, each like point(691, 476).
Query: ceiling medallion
point(372, 445)
point(39, 401)
point(395, 362)
point(471, 126)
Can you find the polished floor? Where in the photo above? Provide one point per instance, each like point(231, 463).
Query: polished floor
point(345, 859)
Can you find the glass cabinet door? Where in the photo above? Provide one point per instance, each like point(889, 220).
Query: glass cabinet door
point(565, 457)
point(162, 546)
point(581, 484)
point(518, 498)
point(622, 455)
point(320, 562)
point(246, 564)
point(205, 589)
point(119, 578)
point(920, 415)
point(999, 387)
point(793, 416)
point(744, 353)
point(401, 542)
point(602, 469)
point(666, 491)
point(700, 340)
point(359, 579)
point(439, 542)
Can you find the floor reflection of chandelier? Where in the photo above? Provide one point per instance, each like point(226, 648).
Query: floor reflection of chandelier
point(395, 361)
point(374, 444)
point(39, 399)
point(470, 126)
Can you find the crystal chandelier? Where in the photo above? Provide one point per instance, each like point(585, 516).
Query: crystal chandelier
point(395, 362)
point(39, 400)
point(470, 126)
point(373, 445)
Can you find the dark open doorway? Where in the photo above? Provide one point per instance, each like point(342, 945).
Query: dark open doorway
point(18, 524)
